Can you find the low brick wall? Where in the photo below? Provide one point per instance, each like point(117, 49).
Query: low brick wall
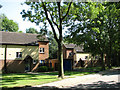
point(54, 63)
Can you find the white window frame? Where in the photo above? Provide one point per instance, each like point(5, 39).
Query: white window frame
point(42, 50)
point(19, 55)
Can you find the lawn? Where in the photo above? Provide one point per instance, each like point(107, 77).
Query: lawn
point(19, 80)
point(69, 73)
point(28, 79)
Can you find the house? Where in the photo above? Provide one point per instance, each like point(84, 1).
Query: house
point(22, 51)
point(75, 56)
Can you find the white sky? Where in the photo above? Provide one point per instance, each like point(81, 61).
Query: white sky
point(12, 9)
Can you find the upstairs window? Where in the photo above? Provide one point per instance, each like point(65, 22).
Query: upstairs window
point(86, 57)
point(18, 54)
point(70, 54)
point(42, 50)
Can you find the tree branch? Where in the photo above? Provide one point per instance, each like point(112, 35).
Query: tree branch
point(54, 21)
point(67, 11)
point(55, 36)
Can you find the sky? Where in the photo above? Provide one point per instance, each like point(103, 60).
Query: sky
point(12, 9)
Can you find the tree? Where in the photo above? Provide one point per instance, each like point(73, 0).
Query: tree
point(54, 13)
point(32, 30)
point(7, 24)
point(97, 28)
point(53, 46)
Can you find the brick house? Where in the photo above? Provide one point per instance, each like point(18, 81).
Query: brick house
point(23, 52)
point(78, 57)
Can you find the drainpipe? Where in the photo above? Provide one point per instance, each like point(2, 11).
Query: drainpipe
point(5, 63)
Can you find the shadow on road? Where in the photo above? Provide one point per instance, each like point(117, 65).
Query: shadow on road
point(100, 85)
point(111, 72)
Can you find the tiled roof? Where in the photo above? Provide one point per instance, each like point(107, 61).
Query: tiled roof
point(20, 38)
point(69, 45)
point(78, 48)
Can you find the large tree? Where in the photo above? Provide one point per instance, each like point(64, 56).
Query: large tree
point(97, 28)
point(53, 13)
point(8, 25)
point(32, 30)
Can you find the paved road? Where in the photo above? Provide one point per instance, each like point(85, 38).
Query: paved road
point(103, 80)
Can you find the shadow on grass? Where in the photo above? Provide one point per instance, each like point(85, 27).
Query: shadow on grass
point(12, 79)
point(15, 77)
point(100, 85)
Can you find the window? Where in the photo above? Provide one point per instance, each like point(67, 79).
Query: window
point(34, 61)
point(42, 50)
point(18, 54)
point(70, 54)
point(96, 57)
point(86, 57)
point(42, 61)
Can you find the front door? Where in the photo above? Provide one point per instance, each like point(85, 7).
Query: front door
point(28, 63)
point(27, 67)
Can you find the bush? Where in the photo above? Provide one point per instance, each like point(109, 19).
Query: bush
point(50, 69)
point(43, 69)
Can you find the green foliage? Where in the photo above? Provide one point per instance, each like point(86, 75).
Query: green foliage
point(43, 69)
point(50, 69)
point(7, 24)
point(32, 30)
point(97, 27)
point(53, 46)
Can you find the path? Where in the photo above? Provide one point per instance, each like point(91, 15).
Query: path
point(109, 79)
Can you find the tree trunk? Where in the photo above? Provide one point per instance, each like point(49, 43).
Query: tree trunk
point(118, 59)
point(5, 61)
point(60, 58)
point(102, 62)
point(108, 62)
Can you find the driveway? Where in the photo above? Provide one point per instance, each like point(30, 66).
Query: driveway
point(103, 80)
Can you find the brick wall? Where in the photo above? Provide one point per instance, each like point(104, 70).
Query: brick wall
point(45, 55)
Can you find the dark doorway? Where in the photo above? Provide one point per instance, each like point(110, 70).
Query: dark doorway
point(28, 63)
point(67, 64)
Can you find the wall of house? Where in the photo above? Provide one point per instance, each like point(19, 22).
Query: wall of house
point(15, 64)
point(66, 53)
point(82, 56)
point(12, 49)
point(45, 55)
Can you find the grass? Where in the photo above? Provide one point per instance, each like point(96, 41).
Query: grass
point(68, 73)
point(28, 79)
point(20, 80)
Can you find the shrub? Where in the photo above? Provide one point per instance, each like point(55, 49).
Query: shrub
point(50, 69)
point(43, 69)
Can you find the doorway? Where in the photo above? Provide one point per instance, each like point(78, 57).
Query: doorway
point(28, 63)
